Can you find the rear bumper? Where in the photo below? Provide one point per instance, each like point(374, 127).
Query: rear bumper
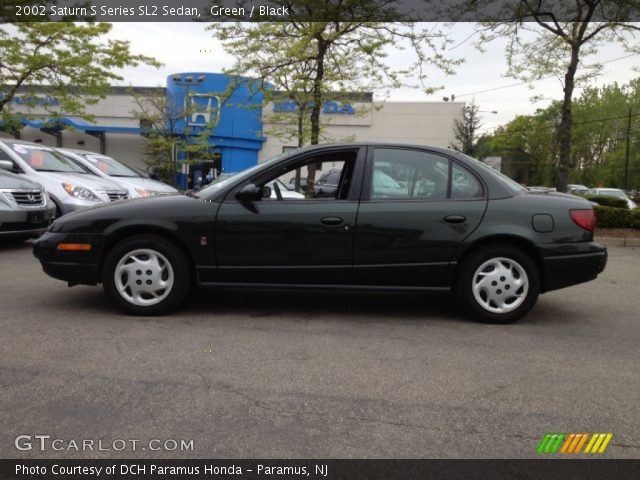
point(570, 264)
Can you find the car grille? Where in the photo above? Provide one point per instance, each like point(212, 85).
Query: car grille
point(117, 195)
point(25, 197)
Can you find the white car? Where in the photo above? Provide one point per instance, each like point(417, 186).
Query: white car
point(107, 167)
point(70, 186)
point(613, 192)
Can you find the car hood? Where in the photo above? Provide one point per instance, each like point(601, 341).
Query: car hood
point(146, 183)
point(14, 182)
point(162, 210)
point(93, 182)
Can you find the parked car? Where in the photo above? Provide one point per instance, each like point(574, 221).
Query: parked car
point(25, 208)
point(281, 188)
point(613, 192)
point(70, 186)
point(477, 233)
point(136, 184)
point(576, 188)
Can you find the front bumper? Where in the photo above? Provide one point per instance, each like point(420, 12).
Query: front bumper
point(73, 267)
point(25, 221)
point(570, 264)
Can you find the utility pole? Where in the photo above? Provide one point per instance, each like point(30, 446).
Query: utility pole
point(626, 155)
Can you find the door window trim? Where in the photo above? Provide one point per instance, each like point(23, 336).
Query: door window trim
point(356, 177)
point(367, 181)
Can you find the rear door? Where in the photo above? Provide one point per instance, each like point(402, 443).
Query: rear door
point(417, 207)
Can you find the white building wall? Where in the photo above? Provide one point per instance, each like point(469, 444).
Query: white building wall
point(429, 123)
point(424, 123)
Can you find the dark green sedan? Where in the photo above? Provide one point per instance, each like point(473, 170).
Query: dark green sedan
point(402, 217)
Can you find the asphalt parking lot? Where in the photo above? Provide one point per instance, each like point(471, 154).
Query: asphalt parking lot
point(264, 374)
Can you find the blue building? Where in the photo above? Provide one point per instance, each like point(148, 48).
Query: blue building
point(230, 107)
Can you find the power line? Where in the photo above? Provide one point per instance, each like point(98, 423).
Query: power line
point(545, 127)
point(511, 85)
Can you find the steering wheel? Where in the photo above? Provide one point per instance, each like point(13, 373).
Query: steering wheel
point(276, 188)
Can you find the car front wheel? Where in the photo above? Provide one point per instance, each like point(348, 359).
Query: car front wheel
point(498, 284)
point(146, 275)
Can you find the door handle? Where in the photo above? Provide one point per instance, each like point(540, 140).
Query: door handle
point(455, 218)
point(331, 221)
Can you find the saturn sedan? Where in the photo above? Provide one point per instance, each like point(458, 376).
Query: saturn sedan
point(450, 223)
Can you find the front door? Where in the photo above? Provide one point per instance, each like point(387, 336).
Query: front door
point(293, 237)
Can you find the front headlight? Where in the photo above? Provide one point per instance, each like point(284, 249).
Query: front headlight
point(145, 193)
point(80, 192)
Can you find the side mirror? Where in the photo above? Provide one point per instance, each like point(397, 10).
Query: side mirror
point(6, 165)
point(249, 193)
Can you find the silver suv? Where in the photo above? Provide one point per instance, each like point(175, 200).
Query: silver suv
point(70, 186)
point(25, 209)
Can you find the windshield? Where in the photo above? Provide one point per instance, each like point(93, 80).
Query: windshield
point(43, 159)
point(111, 167)
point(507, 181)
point(213, 188)
point(613, 193)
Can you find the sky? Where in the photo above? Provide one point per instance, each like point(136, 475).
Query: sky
point(188, 47)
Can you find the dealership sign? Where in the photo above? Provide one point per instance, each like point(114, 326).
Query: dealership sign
point(329, 107)
point(32, 100)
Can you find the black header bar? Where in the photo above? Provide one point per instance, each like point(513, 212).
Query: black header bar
point(300, 10)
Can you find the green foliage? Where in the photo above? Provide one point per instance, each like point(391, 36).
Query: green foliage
point(529, 144)
point(466, 131)
point(635, 218)
point(162, 115)
point(313, 61)
point(72, 61)
point(607, 201)
point(610, 217)
point(555, 39)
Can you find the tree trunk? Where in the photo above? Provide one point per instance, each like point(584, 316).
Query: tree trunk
point(564, 162)
point(316, 107)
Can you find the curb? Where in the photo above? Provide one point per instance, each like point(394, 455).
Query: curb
point(618, 242)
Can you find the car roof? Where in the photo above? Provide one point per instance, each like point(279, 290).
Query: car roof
point(310, 148)
point(77, 150)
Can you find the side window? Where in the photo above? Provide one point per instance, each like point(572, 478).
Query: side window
point(324, 177)
point(409, 174)
point(464, 184)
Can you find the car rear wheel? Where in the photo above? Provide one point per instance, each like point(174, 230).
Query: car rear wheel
point(146, 275)
point(498, 284)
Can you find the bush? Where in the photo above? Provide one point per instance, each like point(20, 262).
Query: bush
point(607, 201)
point(612, 217)
point(635, 217)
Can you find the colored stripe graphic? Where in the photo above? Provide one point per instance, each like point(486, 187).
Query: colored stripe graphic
point(550, 442)
point(598, 442)
point(573, 443)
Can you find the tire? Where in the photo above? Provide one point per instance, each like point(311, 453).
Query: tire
point(146, 275)
point(497, 284)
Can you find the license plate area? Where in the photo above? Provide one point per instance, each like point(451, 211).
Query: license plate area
point(35, 217)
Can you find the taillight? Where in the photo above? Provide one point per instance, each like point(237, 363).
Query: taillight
point(584, 219)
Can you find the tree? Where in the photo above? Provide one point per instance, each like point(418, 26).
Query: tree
point(164, 120)
point(550, 38)
point(329, 48)
point(70, 61)
point(466, 130)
